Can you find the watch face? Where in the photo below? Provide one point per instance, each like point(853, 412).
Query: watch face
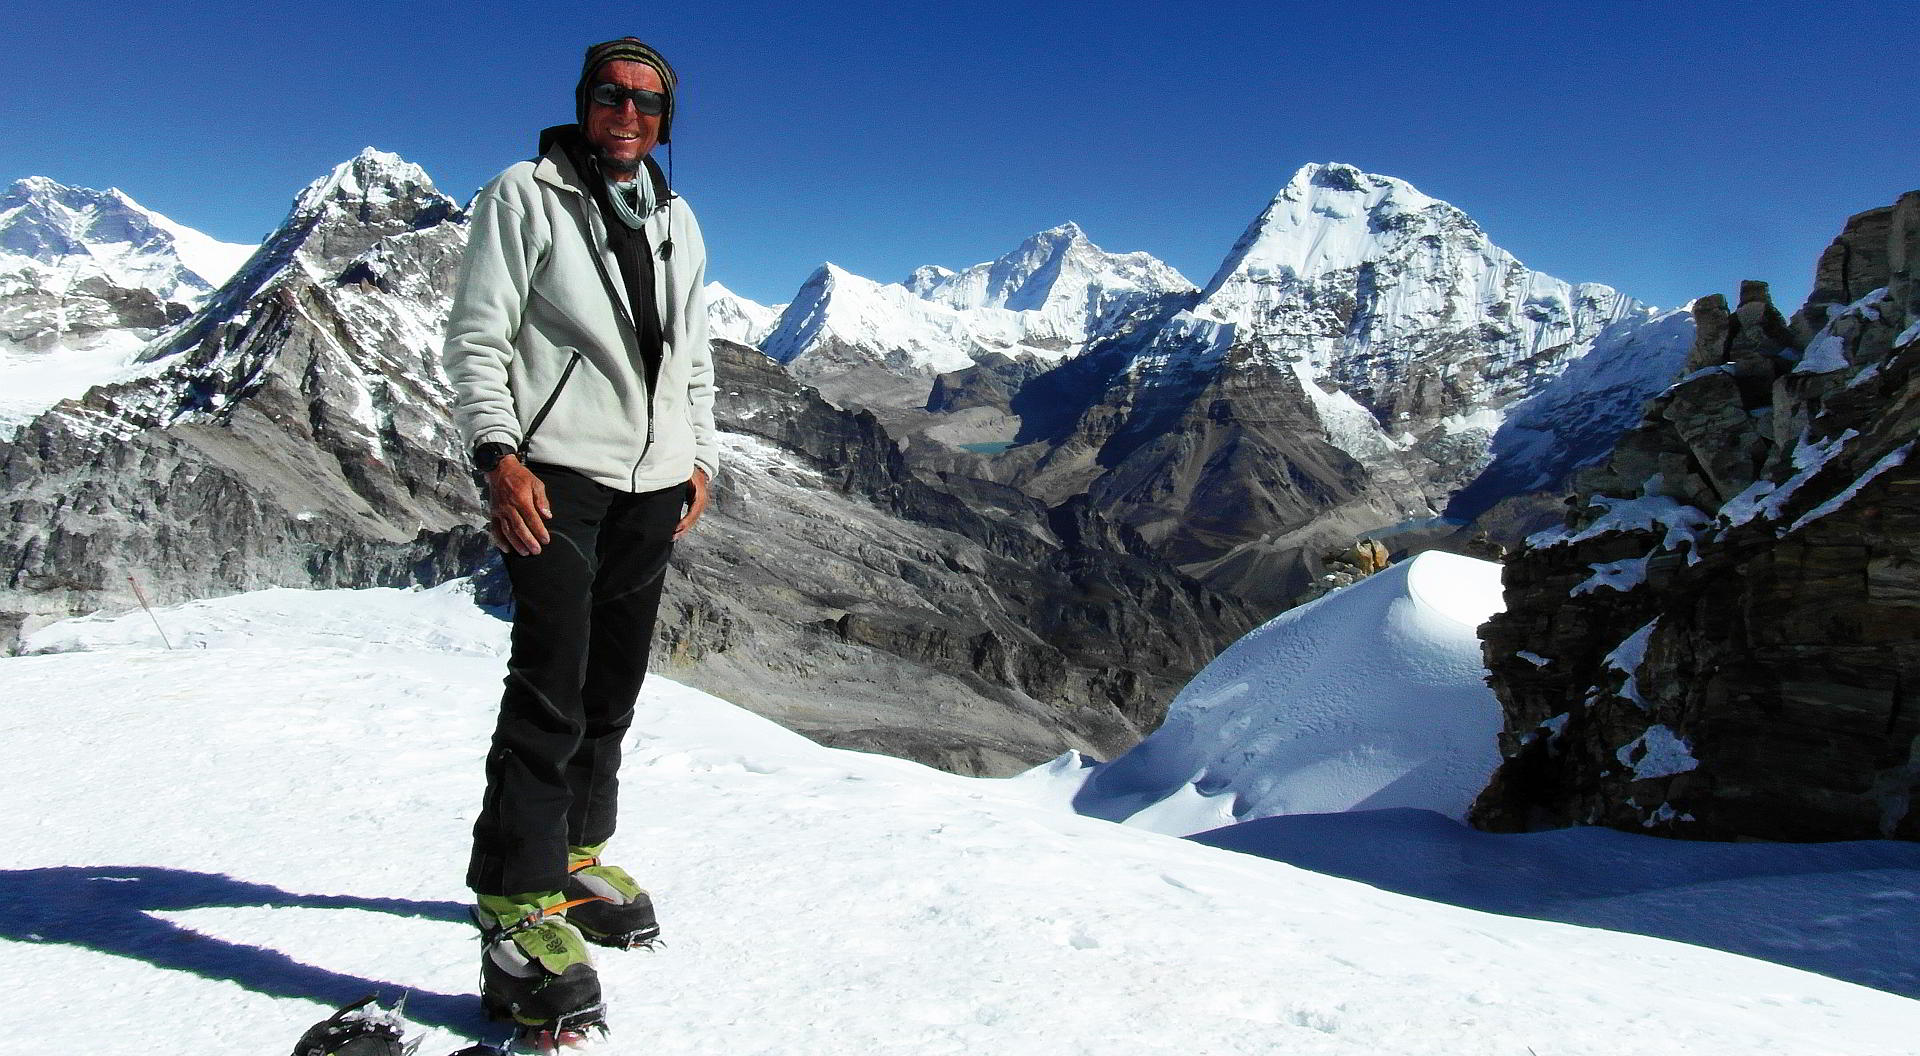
point(487, 456)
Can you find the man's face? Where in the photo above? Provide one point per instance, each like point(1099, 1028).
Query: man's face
point(622, 135)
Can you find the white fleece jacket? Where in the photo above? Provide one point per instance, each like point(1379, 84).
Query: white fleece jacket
point(528, 296)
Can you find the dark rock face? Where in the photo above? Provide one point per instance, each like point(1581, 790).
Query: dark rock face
point(1225, 473)
point(1724, 642)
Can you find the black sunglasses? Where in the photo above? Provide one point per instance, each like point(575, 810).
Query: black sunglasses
point(613, 95)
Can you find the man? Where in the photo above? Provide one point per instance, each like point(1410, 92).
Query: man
point(577, 350)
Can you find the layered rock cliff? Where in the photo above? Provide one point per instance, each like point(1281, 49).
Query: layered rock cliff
point(1724, 640)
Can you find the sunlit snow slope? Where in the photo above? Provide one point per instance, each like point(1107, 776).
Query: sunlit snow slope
point(211, 846)
point(1369, 697)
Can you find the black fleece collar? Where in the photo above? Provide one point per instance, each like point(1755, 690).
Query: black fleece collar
point(571, 143)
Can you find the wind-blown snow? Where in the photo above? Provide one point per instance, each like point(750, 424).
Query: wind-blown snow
point(1627, 657)
point(1369, 697)
point(1892, 459)
point(217, 844)
point(1764, 498)
point(1644, 513)
point(1622, 575)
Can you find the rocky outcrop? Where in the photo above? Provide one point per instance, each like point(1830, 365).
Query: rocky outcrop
point(1724, 640)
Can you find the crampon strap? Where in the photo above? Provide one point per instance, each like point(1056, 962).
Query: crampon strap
point(492, 932)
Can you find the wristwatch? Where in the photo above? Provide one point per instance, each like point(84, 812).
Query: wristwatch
point(487, 456)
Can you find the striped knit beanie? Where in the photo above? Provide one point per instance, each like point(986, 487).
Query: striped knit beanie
point(629, 49)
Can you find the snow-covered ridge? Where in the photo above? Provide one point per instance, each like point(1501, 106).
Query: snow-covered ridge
point(731, 317)
point(1046, 298)
point(65, 233)
point(836, 309)
point(1367, 698)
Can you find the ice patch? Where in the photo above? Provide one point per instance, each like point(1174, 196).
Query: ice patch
point(1826, 354)
point(1622, 575)
point(1659, 752)
point(1628, 657)
point(1893, 458)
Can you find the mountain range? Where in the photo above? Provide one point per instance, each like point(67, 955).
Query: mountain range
point(1364, 362)
point(295, 430)
point(1074, 474)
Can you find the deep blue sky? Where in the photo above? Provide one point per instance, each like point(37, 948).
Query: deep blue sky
point(1668, 148)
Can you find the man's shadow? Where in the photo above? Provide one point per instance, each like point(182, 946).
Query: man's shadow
point(109, 909)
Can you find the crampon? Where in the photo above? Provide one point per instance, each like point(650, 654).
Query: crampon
point(580, 1031)
point(357, 1030)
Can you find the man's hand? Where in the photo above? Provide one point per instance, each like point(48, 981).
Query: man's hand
point(695, 508)
point(519, 507)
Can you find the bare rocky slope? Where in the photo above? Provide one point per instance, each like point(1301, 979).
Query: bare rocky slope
point(1724, 640)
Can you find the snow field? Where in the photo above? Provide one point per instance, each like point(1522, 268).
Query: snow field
point(815, 901)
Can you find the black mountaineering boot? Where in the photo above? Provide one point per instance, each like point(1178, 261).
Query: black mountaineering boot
point(534, 970)
point(610, 909)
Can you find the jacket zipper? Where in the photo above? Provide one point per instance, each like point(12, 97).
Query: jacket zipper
point(625, 314)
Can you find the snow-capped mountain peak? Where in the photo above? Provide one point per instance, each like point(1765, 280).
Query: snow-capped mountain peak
point(1344, 265)
point(926, 278)
point(337, 218)
point(1045, 299)
point(1333, 217)
point(77, 231)
point(371, 178)
point(1058, 271)
point(88, 277)
point(852, 319)
point(735, 318)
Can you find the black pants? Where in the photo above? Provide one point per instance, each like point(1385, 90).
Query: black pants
point(582, 628)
